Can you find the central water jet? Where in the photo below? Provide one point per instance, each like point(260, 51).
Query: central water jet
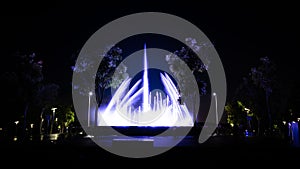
point(145, 83)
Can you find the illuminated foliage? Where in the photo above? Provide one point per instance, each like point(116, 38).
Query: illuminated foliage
point(190, 58)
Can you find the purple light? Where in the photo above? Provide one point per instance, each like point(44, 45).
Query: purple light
point(156, 108)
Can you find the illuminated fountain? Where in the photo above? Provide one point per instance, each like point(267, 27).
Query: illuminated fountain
point(156, 108)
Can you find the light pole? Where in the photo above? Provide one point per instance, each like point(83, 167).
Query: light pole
point(216, 101)
point(16, 134)
point(249, 118)
point(53, 110)
point(53, 115)
point(89, 108)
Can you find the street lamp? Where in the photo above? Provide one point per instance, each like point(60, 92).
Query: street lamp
point(53, 110)
point(89, 108)
point(53, 115)
point(16, 122)
point(217, 116)
point(249, 117)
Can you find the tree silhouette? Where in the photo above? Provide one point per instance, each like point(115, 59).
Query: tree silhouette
point(187, 55)
point(45, 98)
point(104, 78)
point(29, 73)
point(255, 92)
point(26, 88)
point(264, 77)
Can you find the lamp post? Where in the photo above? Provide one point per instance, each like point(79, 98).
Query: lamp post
point(249, 117)
point(217, 116)
point(89, 108)
point(16, 134)
point(53, 115)
point(53, 110)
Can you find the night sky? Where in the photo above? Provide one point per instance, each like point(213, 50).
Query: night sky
point(241, 33)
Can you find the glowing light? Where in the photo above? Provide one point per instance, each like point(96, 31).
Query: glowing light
point(284, 122)
point(88, 136)
point(246, 133)
point(247, 110)
point(216, 102)
point(145, 83)
point(156, 109)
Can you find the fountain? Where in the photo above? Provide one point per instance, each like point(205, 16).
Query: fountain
point(157, 108)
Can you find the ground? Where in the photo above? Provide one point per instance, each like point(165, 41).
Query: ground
point(218, 151)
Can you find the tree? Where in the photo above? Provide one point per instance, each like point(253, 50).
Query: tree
point(197, 67)
point(252, 98)
point(236, 116)
point(46, 95)
point(264, 78)
point(110, 65)
point(65, 116)
point(29, 73)
point(255, 93)
point(235, 113)
point(25, 86)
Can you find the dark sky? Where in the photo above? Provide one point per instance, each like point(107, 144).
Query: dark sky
point(241, 33)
